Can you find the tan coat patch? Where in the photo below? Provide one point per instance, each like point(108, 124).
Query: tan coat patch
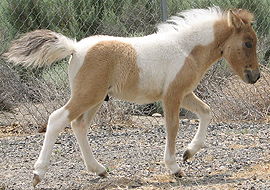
point(109, 67)
point(196, 64)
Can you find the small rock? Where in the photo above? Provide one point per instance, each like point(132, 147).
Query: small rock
point(58, 142)
point(185, 120)
point(222, 167)
point(3, 186)
point(43, 128)
point(156, 115)
point(209, 170)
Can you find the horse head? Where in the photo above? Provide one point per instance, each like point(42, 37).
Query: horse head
point(240, 49)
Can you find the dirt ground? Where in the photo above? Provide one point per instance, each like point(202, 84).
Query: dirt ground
point(233, 157)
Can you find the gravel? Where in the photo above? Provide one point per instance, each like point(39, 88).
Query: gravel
point(235, 156)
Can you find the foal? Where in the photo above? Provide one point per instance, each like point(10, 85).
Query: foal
point(166, 66)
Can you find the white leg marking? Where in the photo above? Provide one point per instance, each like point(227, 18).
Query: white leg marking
point(57, 121)
point(193, 103)
point(170, 160)
point(80, 128)
point(199, 139)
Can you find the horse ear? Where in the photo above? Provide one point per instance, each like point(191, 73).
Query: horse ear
point(234, 21)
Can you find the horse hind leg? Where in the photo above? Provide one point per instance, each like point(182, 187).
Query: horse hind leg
point(57, 121)
point(80, 127)
point(194, 104)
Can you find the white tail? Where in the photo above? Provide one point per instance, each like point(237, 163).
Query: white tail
point(40, 47)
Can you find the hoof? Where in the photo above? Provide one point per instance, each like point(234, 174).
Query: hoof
point(187, 155)
point(36, 180)
point(179, 174)
point(104, 174)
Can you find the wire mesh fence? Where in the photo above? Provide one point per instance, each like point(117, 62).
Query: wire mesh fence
point(27, 97)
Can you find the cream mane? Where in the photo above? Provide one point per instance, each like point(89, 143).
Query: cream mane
point(190, 18)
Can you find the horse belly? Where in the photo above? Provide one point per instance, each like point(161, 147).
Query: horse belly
point(137, 95)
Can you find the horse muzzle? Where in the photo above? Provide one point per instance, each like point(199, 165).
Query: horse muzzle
point(251, 76)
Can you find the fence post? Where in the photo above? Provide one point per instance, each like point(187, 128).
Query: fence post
point(164, 8)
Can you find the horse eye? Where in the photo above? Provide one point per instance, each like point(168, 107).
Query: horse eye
point(248, 44)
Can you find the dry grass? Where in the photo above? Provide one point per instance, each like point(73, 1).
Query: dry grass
point(257, 172)
point(233, 100)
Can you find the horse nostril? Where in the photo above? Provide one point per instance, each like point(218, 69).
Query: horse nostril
point(251, 76)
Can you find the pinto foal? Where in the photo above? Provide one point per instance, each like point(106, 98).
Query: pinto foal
point(166, 66)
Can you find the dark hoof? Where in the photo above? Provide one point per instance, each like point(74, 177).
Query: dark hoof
point(179, 174)
point(186, 155)
point(103, 175)
point(36, 180)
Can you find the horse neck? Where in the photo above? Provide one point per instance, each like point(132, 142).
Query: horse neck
point(206, 56)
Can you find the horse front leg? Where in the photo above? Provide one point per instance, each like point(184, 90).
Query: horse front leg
point(57, 121)
point(172, 124)
point(194, 104)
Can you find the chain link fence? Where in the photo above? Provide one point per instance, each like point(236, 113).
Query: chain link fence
point(27, 97)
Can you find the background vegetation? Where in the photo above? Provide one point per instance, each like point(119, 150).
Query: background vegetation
point(82, 18)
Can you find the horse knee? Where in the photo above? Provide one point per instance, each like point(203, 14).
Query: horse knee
point(205, 112)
